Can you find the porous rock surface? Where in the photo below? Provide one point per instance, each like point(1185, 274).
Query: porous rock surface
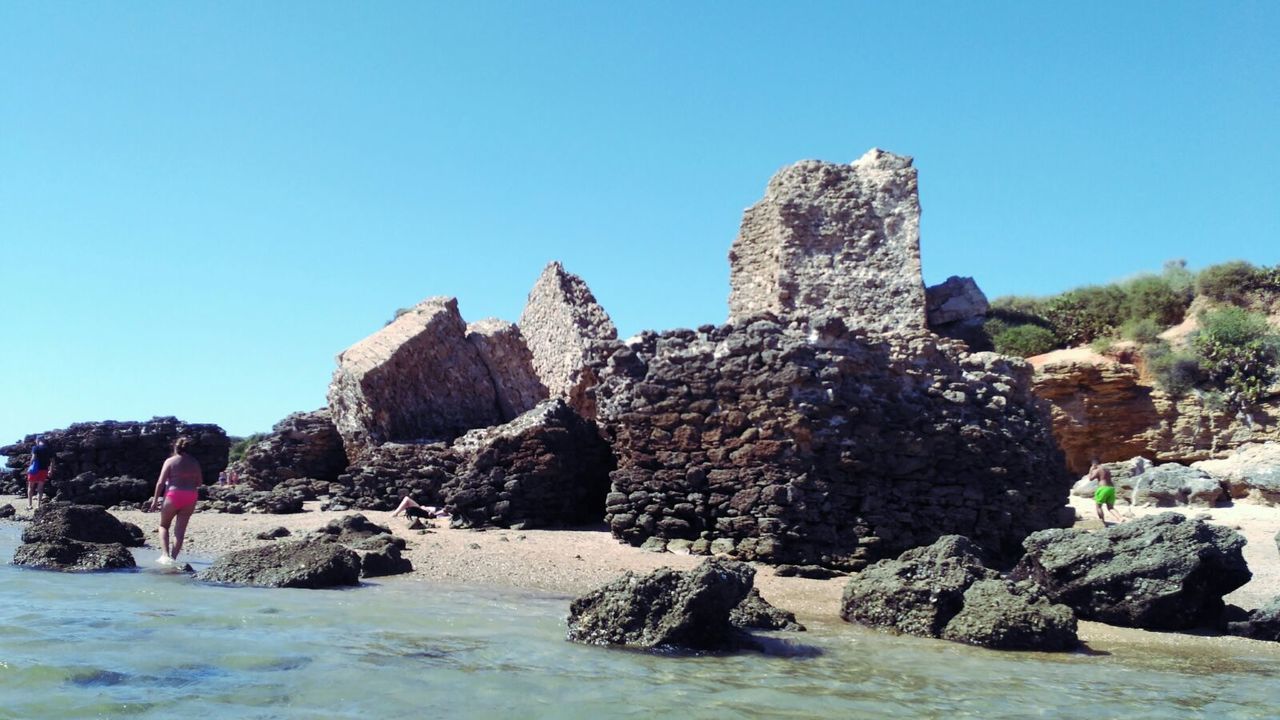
point(384, 474)
point(69, 555)
point(311, 564)
point(665, 608)
point(814, 445)
point(112, 449)
point(416, 378)
point(89, 489)
point(86, 523)
point(1250, 473)
point(1262, 623)
point(957, 308)
point(547, 468)
point(756, 613)
point(560, 323)
point(945, 590)
point(1106, 409)
point(826, 237)
point(510, 363)
point(1159, 572)
point(302, 445)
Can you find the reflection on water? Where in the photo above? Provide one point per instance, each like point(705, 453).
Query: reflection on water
point(148, 644)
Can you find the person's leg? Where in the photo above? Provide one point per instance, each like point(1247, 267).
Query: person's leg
point(180, 528)
point(167, 513)
point(39, 494)
point(405, 504)
point(30, 489)
point(1098, 507)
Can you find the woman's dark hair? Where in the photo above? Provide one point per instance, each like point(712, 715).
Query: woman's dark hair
point(182, 445)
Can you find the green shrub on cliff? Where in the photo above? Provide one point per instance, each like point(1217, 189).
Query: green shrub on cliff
point(1239, 352)
point(1175, 372)
point(1078, 316)
point(240, 445)
point(1229, 282)
point(1024, 340)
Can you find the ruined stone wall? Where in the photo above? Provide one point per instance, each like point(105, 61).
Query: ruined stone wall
point(112, 449)
point(510, 364)
point(814, 445)
point(303, 445)
point(843, 239)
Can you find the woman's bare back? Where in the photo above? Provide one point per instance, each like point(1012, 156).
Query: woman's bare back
point(182, 473)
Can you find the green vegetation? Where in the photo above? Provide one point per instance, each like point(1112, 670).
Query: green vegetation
point(241, 444)
point(1233, 357)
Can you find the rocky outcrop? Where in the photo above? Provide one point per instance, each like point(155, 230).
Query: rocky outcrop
point(1160, 572)
point(843, 239)
point(945, 591)
point(957, 308)
point(756, 613)
point(1105, 409)
point(665, 609)
point(416, 378)
point(86, 523)
point(112, 449)
point(303, 445)
point(1003, 615)
point(384, 474)
point(239, 499)
point(547, 468)
point(504, 352)
point(1261, 624)
point(311, 564)
point(77, 538)
point(380, 555)
point(89, 489)
point(561, 322)
point(1251, 473)
point(65, 554)
point(809, 444)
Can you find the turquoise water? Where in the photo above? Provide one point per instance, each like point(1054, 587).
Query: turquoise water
point(150, 645)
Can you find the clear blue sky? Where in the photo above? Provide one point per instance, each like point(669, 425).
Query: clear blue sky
point(202, 203)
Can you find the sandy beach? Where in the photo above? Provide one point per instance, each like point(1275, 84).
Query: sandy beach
point(571, 562)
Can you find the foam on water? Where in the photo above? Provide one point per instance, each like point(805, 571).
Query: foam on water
point(153, 644)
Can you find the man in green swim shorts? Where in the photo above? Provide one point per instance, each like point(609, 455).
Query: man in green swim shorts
point(1106, 492)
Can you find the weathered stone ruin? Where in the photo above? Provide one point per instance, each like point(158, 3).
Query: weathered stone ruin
point(510, 363)
point(113, 449)
point(416, 378)
point(303, 445)
point(561, 323)
point(844, 238)
point(957, 308)
point(831, 447)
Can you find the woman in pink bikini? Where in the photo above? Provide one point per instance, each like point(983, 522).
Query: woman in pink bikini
point(180, 480)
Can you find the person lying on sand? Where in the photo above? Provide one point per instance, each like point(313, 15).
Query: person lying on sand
point(411, 508)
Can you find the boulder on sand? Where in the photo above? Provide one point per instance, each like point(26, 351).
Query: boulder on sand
point(666, 608)
point(311, 564)
point(1003, 615)
point(754, 612)
point(86, 523)
point(1159, 572)
point(1262, 624)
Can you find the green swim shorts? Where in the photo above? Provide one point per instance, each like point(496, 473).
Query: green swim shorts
point(1105, 495)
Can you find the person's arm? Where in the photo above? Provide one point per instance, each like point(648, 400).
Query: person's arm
point(161, 483)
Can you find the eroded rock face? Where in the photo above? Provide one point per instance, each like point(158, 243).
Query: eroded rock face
point(547, 468)
point(416, 378)
point(957, 308)
point(560, 323)
point(116, 449)
point(1250, 473)
point(918, 593)
point(756, 613)
point(384, 474)
point(814, 445)
point(303, 445)
point(89, 489)
point(70, 555)
point(85, 523)
point(1160, 572)
point(1105, 409)
point(945, 591)
point(1262, 624)
point(505, 354)
point(311, 564)
point(665, 608)
point(843, 239)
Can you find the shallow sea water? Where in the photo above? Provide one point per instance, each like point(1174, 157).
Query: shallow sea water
point(150, 644)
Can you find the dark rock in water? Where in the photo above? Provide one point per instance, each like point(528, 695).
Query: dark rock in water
point(274, 533)
point(303, 445)
point(754, 612)
point(113, 449)
point(548, 467)
point(1002, 615)
point(1261, 624)
point(920, 592)
point(7, 511)
point(299, 564)
point(73, 555)
point(1159, 572)
point(812, 572)
point(380, 555)
point(86, 523)
point(665, 608)
point(350, 528)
